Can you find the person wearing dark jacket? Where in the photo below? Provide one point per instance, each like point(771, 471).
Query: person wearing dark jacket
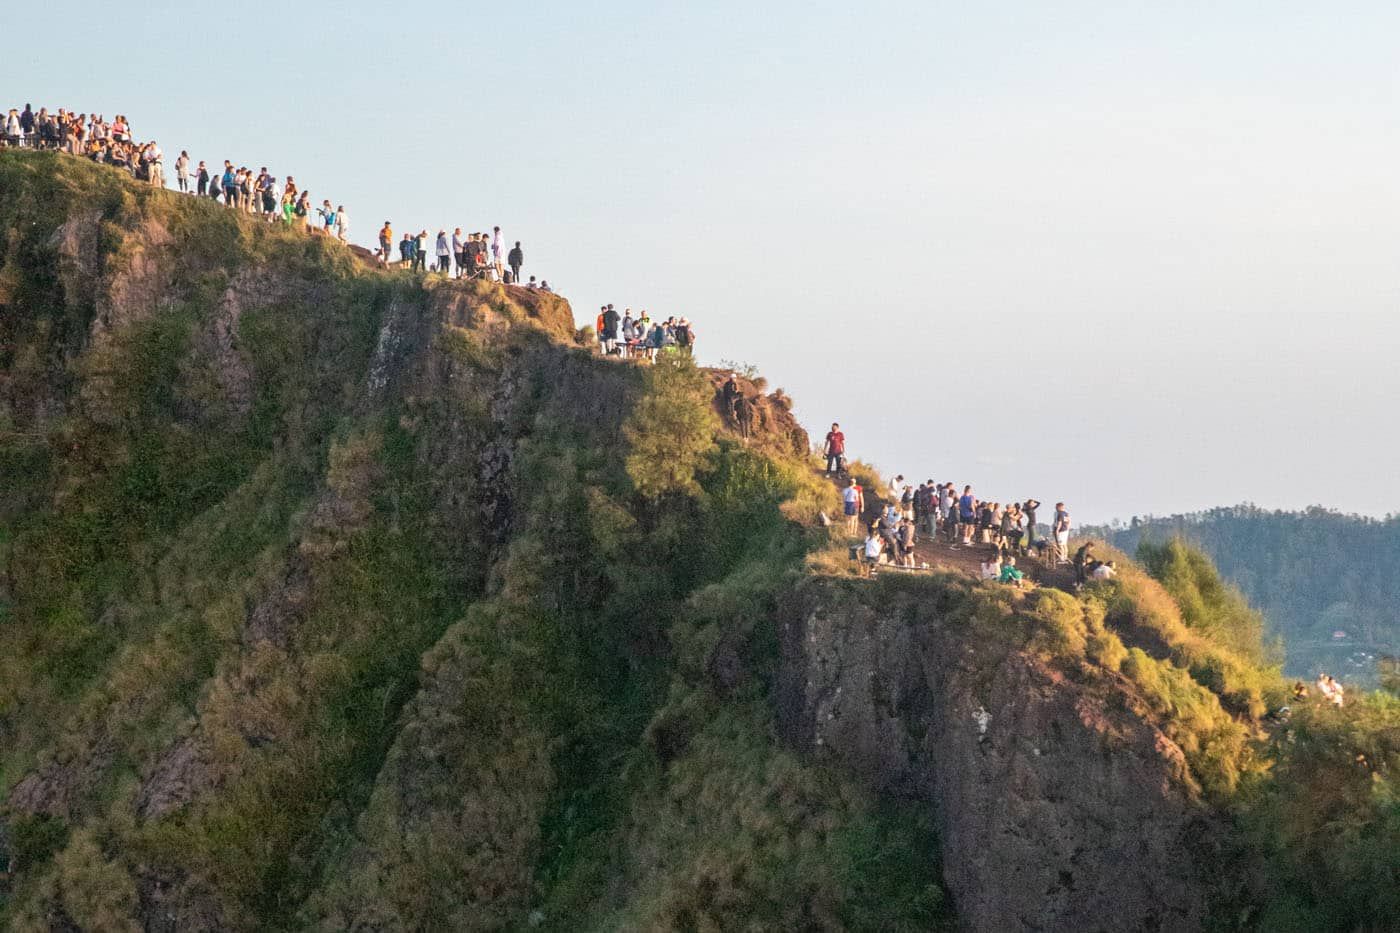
point(515, 260)
point(610, 319)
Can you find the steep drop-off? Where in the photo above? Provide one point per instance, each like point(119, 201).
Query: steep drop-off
point(336, 598)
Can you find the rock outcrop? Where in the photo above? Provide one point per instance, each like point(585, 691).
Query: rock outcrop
point(1060, 805)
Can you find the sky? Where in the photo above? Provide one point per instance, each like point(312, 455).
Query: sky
point(1138, 257)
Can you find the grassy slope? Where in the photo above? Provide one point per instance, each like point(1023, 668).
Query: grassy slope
point(402, 719)
point(152, 523)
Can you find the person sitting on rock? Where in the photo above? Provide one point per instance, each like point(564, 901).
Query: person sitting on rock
point(991, 569)
point(1103, 570)
point(1009, 573)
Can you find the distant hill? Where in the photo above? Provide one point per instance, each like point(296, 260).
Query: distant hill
point(1314, 574)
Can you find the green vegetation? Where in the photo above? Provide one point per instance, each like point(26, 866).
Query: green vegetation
point(331, 598)
point(1311, 573)
point(280, 647)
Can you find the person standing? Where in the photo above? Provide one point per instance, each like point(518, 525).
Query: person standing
point(497, 251)
point(1028, 510)
point(967, 515)
point(342, 224)
point(610, 322)
point(459, 247)
point(420, 251)
point(201, 179)
point(230, 184)
point(835, 450)
point(851, 502)
point(444, 252)
point(516, 260)
point(386, 242)
point(1061, 530)
point(182, 171)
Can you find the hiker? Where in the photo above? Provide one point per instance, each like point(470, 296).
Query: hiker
point(1082, 559)
point(444, 253)
point(1028, 510)
point(386, 242)
point(182, 172)
point(907, 538)
point(874, 550)
point(420, 251)
point(458, 246)
point(967, 515)
point(303, 211)
point(835, 450)
point(1103, 570)
point(610, 320)
point(1009, 573)
point(229, 184)
point(850, 497)
point(1060, 530)
point(516, 259)
point(1008, 530)
point(1331, 690)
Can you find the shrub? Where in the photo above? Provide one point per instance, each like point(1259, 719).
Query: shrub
point(671, 431)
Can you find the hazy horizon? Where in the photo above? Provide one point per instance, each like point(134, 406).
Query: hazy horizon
point(1138, 259)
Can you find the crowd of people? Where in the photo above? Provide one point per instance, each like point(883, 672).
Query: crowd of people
point(259, 193)
point(938, 511)
point(639, 337)
point(462, 256)
point(95, 138)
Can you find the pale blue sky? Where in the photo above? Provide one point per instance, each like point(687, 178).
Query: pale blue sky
point(1138, 256)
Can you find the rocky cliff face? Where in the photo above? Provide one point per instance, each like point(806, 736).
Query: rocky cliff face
point(1061, 806)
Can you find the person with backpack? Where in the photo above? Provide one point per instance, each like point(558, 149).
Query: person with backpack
point(386, 242)
point(835, 450)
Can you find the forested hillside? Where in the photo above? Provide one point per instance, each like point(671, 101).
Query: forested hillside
point(333, 597)
point(1313, 574)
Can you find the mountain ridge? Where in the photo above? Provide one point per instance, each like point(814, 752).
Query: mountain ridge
point(333, 598)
